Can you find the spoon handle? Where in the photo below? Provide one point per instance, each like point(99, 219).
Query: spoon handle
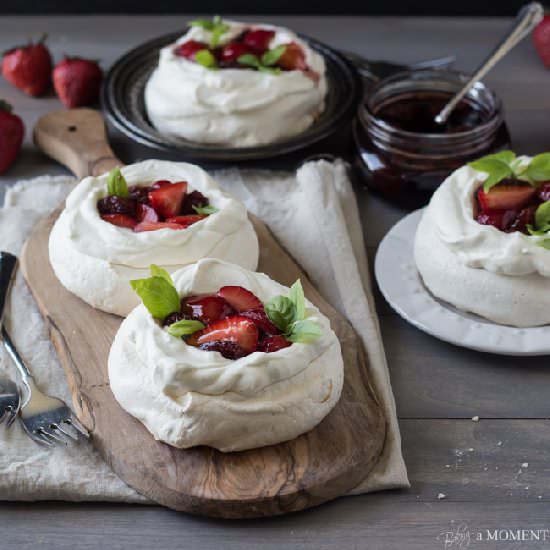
point(528, 17)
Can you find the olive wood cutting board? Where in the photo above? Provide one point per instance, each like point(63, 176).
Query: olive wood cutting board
point(316, 467)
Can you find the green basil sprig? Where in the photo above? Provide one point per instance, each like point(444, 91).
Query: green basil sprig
point(266, 62)
point(215, 26)
point(288, 314)
point(205, 210)
point(116, 184)
point(505, 164)
point(158, 293)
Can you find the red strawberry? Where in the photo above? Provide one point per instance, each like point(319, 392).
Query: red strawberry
point(190, 48)
point(239, 298)
point(146, 225)
point(237, 329)
point(207, 308)
point(117, 205)
point(273, 343)
point(541, 39)
point(258, 40)
point(28, 67)
point(77, 81)
point(146, 213)
point(167, 199)
point(187, 220)
point(233, 50)
point(12, 131)
point(160, 183)
point(122, 220)
point(259, 316)
point(506, 196)
point(293, 58)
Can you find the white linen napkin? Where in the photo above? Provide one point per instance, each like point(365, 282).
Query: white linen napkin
point(313, 213)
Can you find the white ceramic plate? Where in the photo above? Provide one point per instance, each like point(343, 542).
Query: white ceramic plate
point(404, 290)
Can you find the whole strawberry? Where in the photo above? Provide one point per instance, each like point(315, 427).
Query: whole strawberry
point(11, 136)
point(28, 67)
point(541, 39)
point(77, 81)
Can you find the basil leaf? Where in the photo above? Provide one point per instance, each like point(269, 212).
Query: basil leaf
point(217, 33)
point(539, 168)
point(533, 231)
point(281, 312)
point(157, 271)
point(203, 23)
point(206, 59)
point(271, 57)
point(206, 210)
point(184, 327)
point(496, 169)
point(158, 295)
point(542, 217)
point(296, 295)
point(304, 332)
point(116, 184)
point(249, 59)
point(545, 243)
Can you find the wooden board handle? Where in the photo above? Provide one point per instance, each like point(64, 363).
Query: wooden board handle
point(77, 139)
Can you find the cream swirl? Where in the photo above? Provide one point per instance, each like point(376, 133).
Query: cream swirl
point(238, 107)
point(186, 396)
point(95, 259)
point(481, 246)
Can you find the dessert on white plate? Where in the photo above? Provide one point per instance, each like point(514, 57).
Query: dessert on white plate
point(221, 356)
point(483, 243)
point(236, 84)
point(115, 225)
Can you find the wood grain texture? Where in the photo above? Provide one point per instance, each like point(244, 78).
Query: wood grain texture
point(321, 465)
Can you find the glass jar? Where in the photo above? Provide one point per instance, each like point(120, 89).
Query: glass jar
point(403, 154)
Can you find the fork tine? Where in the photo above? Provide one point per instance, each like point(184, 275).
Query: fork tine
point(4, 415)
point(78, 426)
point(60, 438)
point(69, 432)
point(40, 438)
point(11, 418)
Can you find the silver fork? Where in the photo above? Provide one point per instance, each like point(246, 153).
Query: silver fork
point(10, 400)
point(46, 419)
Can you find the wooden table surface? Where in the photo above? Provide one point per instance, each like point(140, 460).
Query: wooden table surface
point(438, 387)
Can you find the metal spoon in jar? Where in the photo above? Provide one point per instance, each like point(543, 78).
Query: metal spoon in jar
point(528, 17)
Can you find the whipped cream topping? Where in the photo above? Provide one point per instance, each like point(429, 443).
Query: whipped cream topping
point(186, 396)
point(481, 246)
point(95, 259)
point(237, 107)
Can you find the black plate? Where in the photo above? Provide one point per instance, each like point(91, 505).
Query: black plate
point(122, 98)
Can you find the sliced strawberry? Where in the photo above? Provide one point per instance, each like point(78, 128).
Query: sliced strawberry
point(187, 220)
point(239, 298)
point(237, 329)
point(259, 316)
point(121, 220)
point(146, 213)
point(233, 50)
point(207, 308)
point(273, 343)
point(258, 39)
point(293, 58)
point(146, 225)
point(505, 196)
point(160, 183)
point(190, 48)
point(167, 200)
